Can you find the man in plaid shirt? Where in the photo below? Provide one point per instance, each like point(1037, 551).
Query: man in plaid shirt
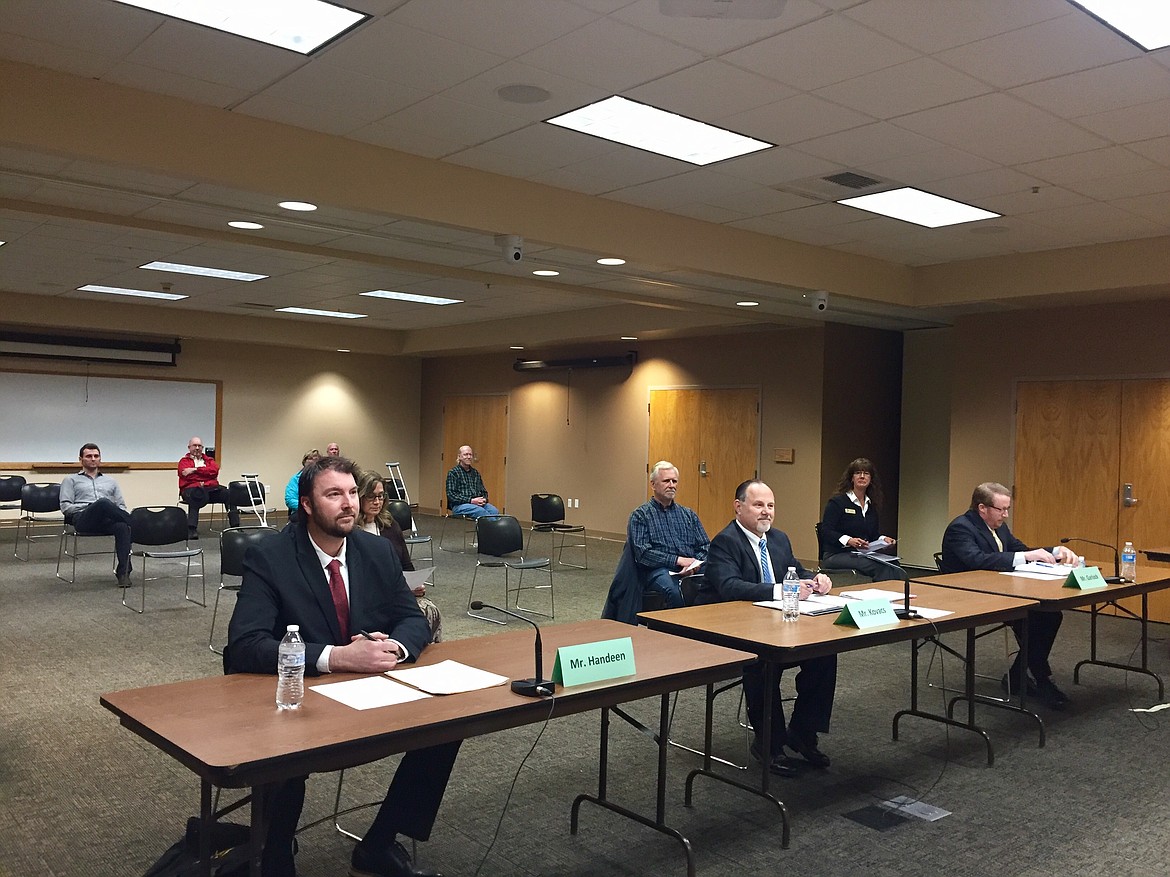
point(466, 494)
point(666, 537)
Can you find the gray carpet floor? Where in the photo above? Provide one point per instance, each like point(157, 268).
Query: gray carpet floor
point(81, 796)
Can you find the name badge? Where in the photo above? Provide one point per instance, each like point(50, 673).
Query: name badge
point(850, 511)
point(594, 662)
point(864, 614)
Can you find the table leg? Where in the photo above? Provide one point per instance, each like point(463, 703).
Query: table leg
point(206, 821)
point(600, 799)
point(259, 828)
point(1144, 621)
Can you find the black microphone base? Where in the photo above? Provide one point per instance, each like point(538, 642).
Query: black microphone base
point(534, 687)
point(1114, 580)
point(905, 614)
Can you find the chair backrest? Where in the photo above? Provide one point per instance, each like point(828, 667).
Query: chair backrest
point(547, 508)
point(820, 545)
point(10, 486)
point(40, 497)
point(498, 535)
point(938, 560)
point(395, 489)
point(158, 525)
point(400, 511)
point(234, 543)
point(244, 495)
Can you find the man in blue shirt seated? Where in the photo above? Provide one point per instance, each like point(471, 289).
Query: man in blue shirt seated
point(665, 537)
point(92, 502)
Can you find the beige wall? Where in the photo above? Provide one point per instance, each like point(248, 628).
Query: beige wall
point(277, 403)
point(584, 435)
point(993, 352)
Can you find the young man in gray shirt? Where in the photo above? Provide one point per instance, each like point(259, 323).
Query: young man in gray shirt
point(93, 503)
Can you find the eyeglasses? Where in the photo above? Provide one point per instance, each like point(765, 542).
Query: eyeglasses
point(376, 497)
point(1003, 511)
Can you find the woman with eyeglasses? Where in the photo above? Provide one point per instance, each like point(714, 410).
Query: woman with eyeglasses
point(850, 524)
point(375, 517)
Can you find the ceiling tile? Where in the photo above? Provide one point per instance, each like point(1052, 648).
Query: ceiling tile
point(933, 25)
point(1110, 87)
point(795, 120)
point(904, 88)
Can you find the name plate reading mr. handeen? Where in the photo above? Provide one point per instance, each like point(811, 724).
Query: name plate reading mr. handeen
point(593, 662)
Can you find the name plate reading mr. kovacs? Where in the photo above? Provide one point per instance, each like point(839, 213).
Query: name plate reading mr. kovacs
point(867, 613)
point(593, 662)
point(1085, 578)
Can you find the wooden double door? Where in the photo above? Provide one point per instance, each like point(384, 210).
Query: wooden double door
point(482, 422)
point(1078, 445)
point(713, 436)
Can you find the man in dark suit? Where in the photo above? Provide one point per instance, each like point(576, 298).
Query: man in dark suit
point(980, 539)
point(738, 570)
point(336, 581)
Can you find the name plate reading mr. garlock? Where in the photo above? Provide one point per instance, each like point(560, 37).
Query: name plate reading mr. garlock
point(864, 614)
point(1085, 578)
point(593, 662)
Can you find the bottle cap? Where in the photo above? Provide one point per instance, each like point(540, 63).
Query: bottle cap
point(293, 628)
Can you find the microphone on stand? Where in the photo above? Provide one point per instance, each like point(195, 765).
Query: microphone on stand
point(537, 686)
point(1116, 577)
point(905, 612)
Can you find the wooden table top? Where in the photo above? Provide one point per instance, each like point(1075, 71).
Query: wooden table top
point(740, 624)
point(1049, 593)
point(228, 730)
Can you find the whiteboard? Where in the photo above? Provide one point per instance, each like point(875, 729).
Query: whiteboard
point(47, 418)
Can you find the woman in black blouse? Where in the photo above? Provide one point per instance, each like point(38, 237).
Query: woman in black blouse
point(850, 523)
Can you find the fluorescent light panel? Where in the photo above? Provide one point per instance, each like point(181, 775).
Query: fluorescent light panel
point(1144, 22)
point(410, 296)
point(179, 268)
point(298, 25)
point(313, 312)
point(250, 226)
point(654, 130)
point(138, 293)
point(921, 208)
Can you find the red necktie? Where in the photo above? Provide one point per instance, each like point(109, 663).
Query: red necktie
point(340, 600)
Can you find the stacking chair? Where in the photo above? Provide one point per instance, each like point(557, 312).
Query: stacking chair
point(153, 528)
point(39, 504)
point(233, 544)
point(500, 537)
point(468, 527)
point(10, 486)
point(548, 516)
point(400, 509)
point(853, 575)
point(63, 550)
point(248, 496)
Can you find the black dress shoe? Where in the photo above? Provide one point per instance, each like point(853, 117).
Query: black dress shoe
point(123, 580)
point(808, 751)
point(1011, 685)
point(1050, 695)
point(778, 765)
point(390, 861)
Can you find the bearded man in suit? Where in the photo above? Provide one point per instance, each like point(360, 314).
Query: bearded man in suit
point(335, 581)
point(737, 569)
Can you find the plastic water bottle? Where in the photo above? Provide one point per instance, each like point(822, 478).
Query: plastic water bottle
point(790, 595)
point(1129, 562)
point(290, 669)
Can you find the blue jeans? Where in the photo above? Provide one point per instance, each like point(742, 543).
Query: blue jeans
point(662, 582)
point(471, 510)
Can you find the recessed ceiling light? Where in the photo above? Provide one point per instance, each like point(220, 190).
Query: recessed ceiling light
point(343, 350)
point(250, 226)
point(748, 304)
point(611, 261)
point(303, 206)
point(523, 94)
point(298, 25)
point(313, 312)
point(410, 296)
point(137, 293)
point(547, 273)
point(1144, 22)
point(921, 208)
point(222, 273)
point(654, 130)
point(629, 338)
point(515, 347)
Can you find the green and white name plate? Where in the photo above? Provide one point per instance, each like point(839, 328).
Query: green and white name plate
point(1085, 578)
point(594, 662)
point(864, 614)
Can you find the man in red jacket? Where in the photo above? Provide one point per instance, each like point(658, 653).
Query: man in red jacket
point(199, 485)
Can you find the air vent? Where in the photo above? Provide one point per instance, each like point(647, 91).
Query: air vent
point(834, 187)
point(851, 180)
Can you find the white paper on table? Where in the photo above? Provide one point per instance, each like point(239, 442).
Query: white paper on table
point(816, 604)
point(368, 692)
point(1047, 577)
point(447, 677)
point(930, 614)
point(874, 594)
point(1036, 570)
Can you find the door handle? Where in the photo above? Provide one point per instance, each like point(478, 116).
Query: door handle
point(702, 468)
point(1127, 498)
